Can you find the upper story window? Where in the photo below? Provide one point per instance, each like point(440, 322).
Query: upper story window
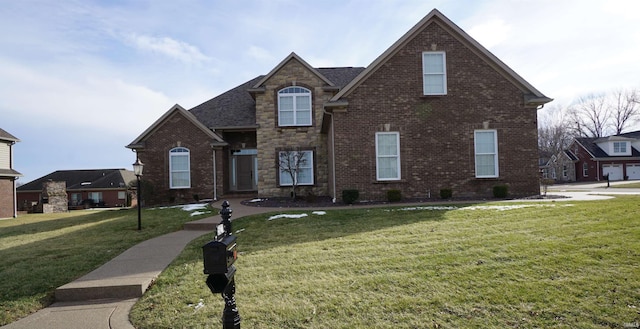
point(620, 148)
point(388, 156)
point(179, 168)
point(434, 73)
point(294, 106)
point(486, 153)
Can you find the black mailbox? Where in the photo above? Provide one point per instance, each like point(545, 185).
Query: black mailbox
point(219, 255)
point(217, 283)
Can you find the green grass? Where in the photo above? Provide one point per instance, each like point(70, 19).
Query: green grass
point(40, 252)
point(546, 265)
point(628, 185)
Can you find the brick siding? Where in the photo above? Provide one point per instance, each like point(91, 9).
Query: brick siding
point(436, 132)
point(177, 131)
point(6, 198)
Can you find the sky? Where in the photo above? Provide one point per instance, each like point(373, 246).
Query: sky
point(80, 80)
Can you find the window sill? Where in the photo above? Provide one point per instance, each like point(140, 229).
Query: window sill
point(389, 181)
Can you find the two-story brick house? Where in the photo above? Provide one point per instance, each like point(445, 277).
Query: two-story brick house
point(8, 176)
point(436, 110)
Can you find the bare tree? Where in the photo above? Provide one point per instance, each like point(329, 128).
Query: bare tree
point(589, 116)
point(625, 107)
point(290, 163)
point(553, 132)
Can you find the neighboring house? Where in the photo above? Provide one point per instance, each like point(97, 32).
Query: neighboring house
point(8, 176)
point(436, 110)
point(94, 187)
point(617, 156)
point(561, 167)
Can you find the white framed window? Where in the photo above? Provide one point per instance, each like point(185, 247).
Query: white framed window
point(585, 170)
point(486, 153)
point(434, 73)
point(387, 156)
point(564, 171)
point(294, 106)
point(298, 164)
point(179, 168)
point(620, 148)
point(122, 195)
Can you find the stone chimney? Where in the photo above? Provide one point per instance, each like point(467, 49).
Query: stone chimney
point(54, 197)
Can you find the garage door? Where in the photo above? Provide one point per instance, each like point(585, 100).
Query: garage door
point(613, 170)
point(633, 171)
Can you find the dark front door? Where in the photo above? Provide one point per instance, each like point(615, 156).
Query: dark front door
point(244, 172)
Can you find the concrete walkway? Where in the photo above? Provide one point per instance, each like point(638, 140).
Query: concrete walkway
point(103, 298)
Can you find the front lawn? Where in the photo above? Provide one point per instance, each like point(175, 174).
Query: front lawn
point(495, 265)
point(40, 252)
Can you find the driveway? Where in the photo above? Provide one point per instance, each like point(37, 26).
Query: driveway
point(591, 190)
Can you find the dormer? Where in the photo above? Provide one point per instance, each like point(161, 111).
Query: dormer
point(616, 145)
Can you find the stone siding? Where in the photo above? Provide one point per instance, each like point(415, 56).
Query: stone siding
point(54, 197)
point(271, 138)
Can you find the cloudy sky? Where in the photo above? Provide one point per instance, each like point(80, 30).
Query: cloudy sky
point(79, 80)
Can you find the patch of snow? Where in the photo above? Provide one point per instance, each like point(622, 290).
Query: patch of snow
point(287, 216)
point(257, 200)
point(196, 213)
point(319, 213)
point(192, 207)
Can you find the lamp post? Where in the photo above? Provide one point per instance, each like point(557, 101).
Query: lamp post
point(137, 170)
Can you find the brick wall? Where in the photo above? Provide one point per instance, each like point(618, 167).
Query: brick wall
point(174, 132)
point(436, 132)
point(6, 198)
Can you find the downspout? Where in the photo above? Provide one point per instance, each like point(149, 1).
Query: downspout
point(598, 170)
point(15, 194)
point(15, 199)
point(215, 177)
point(333, 156)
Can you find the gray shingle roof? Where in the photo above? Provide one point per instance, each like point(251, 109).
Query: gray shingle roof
point(236, 107)
point(4, 135)
point(590, 145)
point(84, 179)
point(340, 76)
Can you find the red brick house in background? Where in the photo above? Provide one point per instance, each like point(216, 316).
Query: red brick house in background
point(85, 188)
point(617, 156)
point(435, 111)
point(8, 176)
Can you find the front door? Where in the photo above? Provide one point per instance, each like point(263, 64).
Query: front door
point(244, 171)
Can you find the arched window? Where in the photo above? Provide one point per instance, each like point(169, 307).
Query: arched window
point(294, 106)
point(179, 168)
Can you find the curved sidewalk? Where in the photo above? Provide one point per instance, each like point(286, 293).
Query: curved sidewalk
point(104, 297)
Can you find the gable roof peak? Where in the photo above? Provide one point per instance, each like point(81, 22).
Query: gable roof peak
point(292, 56)
point(532, 95)
point(139, 141)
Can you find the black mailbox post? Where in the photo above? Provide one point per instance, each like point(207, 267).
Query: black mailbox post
point(218, 257)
